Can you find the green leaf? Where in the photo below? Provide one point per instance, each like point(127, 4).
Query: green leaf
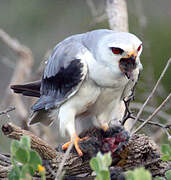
point(138, 174)
point(130, 175)
point(15, 145)
point(166, 157)
point(34, 159)
point(22, 155)
point(99, 158)
point(142, 174)
point(94, 164)
point(25, 142)
point(166, 149)
point(107, 160)
point(168, 175)
point(103, 175)
point(159, 178)
point(26, 169)
point(14, 174)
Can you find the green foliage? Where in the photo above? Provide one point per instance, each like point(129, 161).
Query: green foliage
point(138, 174)
point(166, 150)
point(25, 161)
point(168, 175)
point(100, 164)
point(159, 178)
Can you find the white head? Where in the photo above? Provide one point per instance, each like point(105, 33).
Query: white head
point(120, 51)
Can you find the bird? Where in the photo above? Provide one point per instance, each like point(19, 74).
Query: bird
point(86, 75)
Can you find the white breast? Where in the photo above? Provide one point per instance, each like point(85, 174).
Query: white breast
point(106, 104)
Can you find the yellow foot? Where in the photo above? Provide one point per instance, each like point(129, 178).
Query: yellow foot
point(75, 140)
point(105, 127)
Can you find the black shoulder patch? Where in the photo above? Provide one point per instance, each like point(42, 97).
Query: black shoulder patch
point(56, 88)
point(64, 80)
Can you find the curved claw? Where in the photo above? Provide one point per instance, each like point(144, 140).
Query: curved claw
point(75, 140)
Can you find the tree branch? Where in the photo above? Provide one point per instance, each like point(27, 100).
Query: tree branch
point(15, 132)
point(151, 94)
point(21, 73)
point(9, 109)
point(154, 113)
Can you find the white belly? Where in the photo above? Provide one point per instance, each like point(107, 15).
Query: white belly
point(106, 104)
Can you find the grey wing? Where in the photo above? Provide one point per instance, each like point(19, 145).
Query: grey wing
point(63, 75)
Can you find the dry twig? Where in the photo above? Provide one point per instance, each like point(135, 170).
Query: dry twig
point(21, 73)
point(151, 94)
point(150, 109)
point(153, 114)
point(9, 109)
point(61, 165)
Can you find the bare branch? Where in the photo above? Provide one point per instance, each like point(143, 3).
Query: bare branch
point(61, 165)
point(154, 113)
point(151, 94)
point(7, 110)
point(165, 127)
point(150, 109)
point(21, 73)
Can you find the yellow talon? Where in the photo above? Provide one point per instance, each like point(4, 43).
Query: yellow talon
point(75, 140)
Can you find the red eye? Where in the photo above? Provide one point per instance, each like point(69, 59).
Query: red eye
point(117, 50)
point(139, 48)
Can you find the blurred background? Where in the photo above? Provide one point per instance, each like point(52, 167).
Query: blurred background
point(41, 24)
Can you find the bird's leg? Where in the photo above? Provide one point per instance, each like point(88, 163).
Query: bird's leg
point(67, 122)
point(75, 139)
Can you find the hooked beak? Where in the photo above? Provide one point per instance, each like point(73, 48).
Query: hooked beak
point(127, 64)
point(131, 54)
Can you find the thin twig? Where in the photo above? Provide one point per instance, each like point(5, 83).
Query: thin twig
point(59, 172)
point(165, 127)
point(154, 113)
point(7, 110)
point(153, 123)
point(151, 94)
point(150, 109)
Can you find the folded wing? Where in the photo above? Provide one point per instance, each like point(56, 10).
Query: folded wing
point(63, 75)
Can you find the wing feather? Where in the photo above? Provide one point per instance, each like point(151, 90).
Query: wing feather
point(63, 75)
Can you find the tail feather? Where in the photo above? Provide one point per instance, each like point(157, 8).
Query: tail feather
point(41, 116)
point(30, 89)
